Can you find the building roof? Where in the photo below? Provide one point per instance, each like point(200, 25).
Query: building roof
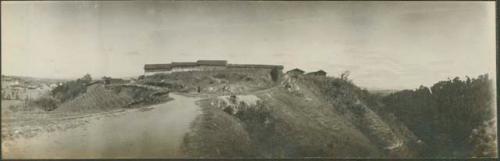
point(157, 66)
point(152, 67)
point(212, 62)
point(296, 70)
point(178, 64)
point(255, 66)
point(319, 72)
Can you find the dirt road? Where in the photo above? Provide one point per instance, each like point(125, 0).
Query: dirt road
point(153, 133)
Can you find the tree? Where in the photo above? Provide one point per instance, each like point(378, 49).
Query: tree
point(85, 79)
point(345, 75)
point(446, 117)
point(71, 89)
point(275, 74)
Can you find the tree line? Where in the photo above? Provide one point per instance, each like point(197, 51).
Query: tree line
point(454, 117)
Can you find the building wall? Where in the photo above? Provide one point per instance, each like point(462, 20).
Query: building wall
point(148, 73)
point(185, 69)
point(206, 67)
point(239, 68)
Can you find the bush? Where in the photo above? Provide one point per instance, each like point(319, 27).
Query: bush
point(229, 110)
point(220, 76)
point(164, 84)
point(275, 73)
point(71, 89)
point(46, 103)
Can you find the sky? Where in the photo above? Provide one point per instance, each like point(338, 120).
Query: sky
point(386, 45)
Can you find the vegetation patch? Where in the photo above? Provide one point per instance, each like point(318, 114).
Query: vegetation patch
point(46, 103)
point(451, 116)
point(71, 89)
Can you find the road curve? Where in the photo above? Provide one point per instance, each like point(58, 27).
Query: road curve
point(155, 133)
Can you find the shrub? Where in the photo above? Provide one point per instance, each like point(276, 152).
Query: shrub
point(220, 76)
point(164, 84)
point(46, 103)
point(71, 89)
point(229, 110)
point(275, 73)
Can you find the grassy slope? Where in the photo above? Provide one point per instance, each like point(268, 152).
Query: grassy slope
point(314, 128)
point(97, 99)
point(361, 109)
point(217, 134)
point(304, 121)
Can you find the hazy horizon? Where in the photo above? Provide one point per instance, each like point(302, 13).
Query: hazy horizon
point(385, 45)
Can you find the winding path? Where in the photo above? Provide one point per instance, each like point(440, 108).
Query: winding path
point(155, 133)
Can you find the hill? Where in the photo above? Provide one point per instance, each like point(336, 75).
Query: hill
point(260, 115)
point(302, 116)
point(87, 95)
point(99, 98)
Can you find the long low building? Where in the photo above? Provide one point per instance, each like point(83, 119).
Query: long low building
point(202, 65)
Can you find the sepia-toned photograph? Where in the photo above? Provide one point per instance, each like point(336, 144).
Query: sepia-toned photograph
point(248, 79)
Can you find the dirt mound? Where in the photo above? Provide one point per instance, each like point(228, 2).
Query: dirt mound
point(100, 98)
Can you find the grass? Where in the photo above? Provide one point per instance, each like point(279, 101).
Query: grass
point(216, 134)
point(279, 127)
point(98, 98)
point(322, 117)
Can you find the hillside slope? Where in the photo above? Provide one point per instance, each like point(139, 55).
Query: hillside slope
point(304, 116)
point(98, 98)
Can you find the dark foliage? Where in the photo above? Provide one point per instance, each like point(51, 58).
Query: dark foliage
point(275, 73)
point(168, 85)
point(342, 92)
point(46, 103)
point(72, 89)
point(262, 129)
point(445, 115)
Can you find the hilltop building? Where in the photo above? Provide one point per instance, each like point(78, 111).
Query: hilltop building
point(295, 71)
point(317, 73)
point(204, 65)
